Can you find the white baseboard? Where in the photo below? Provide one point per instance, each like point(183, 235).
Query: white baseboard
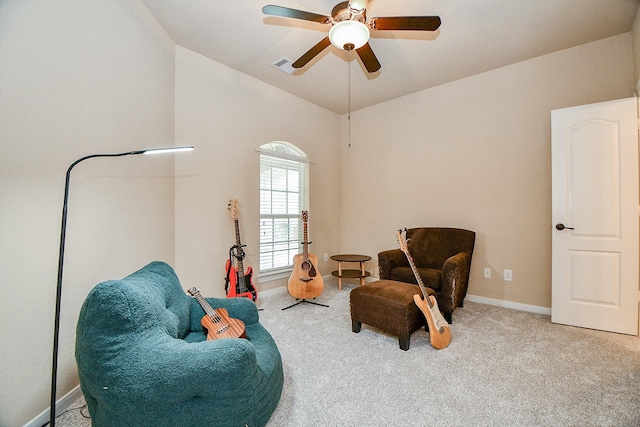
point(509, 304)
point(61, 405)
point(274, 291)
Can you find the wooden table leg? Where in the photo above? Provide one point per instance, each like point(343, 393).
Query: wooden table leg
point(340, 275)
point(362, 273)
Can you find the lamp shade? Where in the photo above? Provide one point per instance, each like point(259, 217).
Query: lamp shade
point(349, 33)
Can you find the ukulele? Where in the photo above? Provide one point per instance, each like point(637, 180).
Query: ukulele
point(439, 330)
point(238, 284)
point(218, 323)
point(305, 282)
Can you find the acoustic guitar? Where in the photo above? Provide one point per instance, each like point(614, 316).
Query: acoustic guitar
point(217, 323)
point(439, 330)
point(305, 282)
point(238, 282)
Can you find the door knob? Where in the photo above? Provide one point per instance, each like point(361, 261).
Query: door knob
point(561, 227)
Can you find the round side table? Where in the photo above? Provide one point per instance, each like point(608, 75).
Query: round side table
point(350, 273)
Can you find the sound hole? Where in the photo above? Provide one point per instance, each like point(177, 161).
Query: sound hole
point(307, 266)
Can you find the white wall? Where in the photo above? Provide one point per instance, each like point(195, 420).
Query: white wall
point(475, 154)
point(227, 116)
point(76, 78)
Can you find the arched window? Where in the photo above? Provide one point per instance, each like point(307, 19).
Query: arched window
point(284, 194)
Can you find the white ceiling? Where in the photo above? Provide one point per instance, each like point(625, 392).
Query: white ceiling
point(475, 36)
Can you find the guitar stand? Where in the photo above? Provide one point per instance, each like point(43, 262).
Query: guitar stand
point(305, 301)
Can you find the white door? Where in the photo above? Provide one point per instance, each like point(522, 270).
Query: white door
point(594, 156)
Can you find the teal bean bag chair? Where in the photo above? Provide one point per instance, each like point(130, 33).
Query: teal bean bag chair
point(143, 358)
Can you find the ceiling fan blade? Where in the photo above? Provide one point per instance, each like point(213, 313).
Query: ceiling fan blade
point(311, 53)
point(368, 58)
point(295, 13)
point(412, 23)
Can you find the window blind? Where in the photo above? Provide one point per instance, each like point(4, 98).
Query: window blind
point(283, 195)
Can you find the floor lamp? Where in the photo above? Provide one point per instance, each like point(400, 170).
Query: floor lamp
point(56, 327)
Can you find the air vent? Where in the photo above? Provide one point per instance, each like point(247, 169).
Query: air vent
point(285, 65)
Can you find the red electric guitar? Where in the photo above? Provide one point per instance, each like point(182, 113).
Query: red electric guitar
point(238, 283)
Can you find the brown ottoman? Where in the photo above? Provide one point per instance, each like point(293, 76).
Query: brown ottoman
point(387, 305)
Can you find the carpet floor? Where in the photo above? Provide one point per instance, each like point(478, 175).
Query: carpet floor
point(503, 368)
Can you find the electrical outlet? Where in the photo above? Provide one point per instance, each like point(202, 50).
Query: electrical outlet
point(326, 257)
point(487, 273)
point(508, 275)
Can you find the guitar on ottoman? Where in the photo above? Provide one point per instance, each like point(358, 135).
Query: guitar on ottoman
point(439, 330)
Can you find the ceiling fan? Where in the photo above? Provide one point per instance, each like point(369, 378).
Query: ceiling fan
point(350, 29)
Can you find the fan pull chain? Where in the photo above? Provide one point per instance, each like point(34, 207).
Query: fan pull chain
point(349, 102)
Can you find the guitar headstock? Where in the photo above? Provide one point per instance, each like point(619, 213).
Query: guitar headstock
point(194, 291)
point(233, 208)
point(305, 216)
point(403, 242)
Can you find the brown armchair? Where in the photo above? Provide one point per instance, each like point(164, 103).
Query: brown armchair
point(443, 260)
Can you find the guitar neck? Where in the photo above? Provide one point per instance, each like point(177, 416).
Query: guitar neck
point(423, 288)
point(305, 244)
point(239, 245)
point(242, 287)
point(205, 305)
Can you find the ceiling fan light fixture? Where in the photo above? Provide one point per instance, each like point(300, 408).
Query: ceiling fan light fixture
point(348, 35)
point(358, 5)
